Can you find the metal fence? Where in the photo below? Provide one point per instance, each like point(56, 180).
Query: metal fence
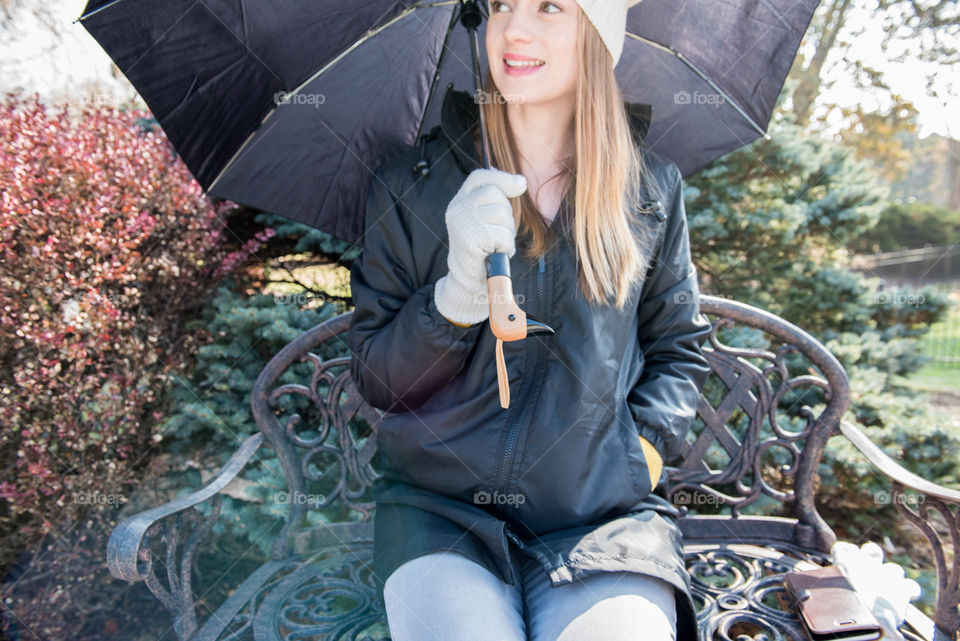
point(913, 266)
point(942, 344)
point(935, 266)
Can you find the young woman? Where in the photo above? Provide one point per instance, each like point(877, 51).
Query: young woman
point(546, 520)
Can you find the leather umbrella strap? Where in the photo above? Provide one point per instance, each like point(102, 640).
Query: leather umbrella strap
point(502, 379)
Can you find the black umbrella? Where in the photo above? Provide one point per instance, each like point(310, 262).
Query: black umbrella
point(287, 106)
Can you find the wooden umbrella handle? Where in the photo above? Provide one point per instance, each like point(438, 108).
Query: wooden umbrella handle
point(502, 379)
point(507, 321)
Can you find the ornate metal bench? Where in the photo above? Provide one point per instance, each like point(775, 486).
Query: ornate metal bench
point(746, 487)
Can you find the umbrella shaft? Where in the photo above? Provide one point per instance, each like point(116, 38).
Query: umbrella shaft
point(471, 18)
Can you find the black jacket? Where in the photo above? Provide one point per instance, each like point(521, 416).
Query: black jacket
point(560, 473)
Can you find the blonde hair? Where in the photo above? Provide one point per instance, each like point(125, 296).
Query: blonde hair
point(604, 179)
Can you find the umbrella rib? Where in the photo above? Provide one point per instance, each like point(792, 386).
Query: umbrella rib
point(369, 34)
point(98, 10)
point(240, 150)
point(287, 96)
point(436, 74)
point(705, 78)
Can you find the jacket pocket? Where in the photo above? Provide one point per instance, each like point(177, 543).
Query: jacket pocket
point(637, 460)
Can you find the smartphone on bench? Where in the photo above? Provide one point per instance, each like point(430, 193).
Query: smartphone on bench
point(829, 607)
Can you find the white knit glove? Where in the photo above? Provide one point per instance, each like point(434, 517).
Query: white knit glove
point(883, 586)
point(479, 222)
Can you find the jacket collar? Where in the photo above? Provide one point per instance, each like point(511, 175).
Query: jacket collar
point(460, 113)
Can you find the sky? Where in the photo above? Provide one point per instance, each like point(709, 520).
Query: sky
point(34, 60)
point(936, 115)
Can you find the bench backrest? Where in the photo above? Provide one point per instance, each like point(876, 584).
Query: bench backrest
point(746, 476)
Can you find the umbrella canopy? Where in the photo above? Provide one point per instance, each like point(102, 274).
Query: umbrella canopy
point(289, 106)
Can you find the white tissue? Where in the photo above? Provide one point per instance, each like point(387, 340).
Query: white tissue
point(882, 586)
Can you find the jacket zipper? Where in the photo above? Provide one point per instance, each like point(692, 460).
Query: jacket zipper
point(653, 207)
point(515, 428)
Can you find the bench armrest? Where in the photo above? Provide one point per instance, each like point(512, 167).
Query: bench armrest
point(893, 469)
point(936, 497)
point(128, 549)
point(124, 545)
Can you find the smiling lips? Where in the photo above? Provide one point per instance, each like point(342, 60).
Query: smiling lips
point(520, 65)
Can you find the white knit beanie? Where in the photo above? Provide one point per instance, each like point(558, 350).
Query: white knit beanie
point(609, 18)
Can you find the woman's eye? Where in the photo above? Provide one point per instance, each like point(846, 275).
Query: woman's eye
point(496, 4)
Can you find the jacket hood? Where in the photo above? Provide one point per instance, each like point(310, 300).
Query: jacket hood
point(460, 113)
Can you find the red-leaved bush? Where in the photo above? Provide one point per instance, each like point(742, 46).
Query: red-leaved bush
point(106, 244)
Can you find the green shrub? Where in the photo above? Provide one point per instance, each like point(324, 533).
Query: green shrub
point(212, 407)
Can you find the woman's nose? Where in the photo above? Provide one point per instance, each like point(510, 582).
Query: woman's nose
point(518, 27)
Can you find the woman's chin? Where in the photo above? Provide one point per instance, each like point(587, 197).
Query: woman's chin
point(513, 92)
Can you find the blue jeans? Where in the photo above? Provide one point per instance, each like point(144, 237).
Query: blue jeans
point(444, 596)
